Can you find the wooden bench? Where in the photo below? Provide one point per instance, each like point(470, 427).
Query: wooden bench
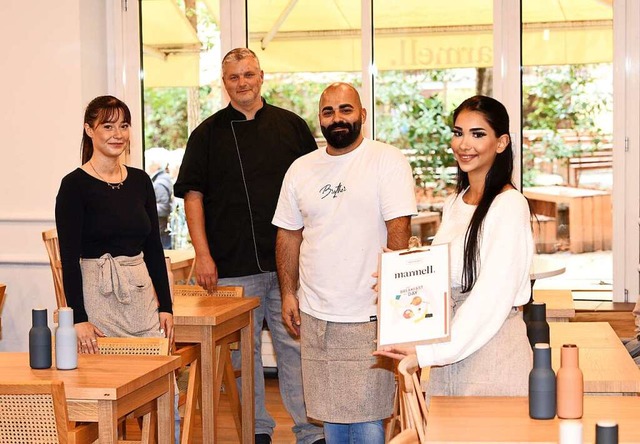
point(601, 159)
point(590, 216)
point(585, 151)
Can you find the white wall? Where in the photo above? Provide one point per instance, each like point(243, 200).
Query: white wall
point(53, 62)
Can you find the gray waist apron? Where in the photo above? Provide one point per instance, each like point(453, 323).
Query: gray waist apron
point(343, 382)
point(119, 297)
point(500, 368)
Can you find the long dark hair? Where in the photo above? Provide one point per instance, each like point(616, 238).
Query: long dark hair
point(497, 177)
point(99, 110)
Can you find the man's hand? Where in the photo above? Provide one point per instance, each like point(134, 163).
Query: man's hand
point(291, 313)
point(87, 337)
point(206, 272)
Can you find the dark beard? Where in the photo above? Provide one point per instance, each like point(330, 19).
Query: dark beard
point(342, 139)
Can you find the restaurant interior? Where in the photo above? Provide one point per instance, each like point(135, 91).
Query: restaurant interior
point(580, 176)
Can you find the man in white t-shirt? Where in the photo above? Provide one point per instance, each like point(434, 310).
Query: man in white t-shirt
point(338, 208)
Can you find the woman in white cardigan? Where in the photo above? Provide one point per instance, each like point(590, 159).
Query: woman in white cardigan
point(487, 223)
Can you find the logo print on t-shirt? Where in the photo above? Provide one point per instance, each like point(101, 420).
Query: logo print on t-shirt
point(328, 190)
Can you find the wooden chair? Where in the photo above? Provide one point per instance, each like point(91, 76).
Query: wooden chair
point(408, 436)
point(160, 346)
point(37, 412)
point(223, 352)
point(412, 404)
point(146, 414)
point(50, 238)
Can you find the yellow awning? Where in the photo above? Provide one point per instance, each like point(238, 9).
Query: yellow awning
point(318, 36)
point(170, 45)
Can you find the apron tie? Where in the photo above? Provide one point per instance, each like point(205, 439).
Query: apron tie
point(111, 276)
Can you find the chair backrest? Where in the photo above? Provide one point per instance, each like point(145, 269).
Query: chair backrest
point(413, 406)
point(3, 287)
point(196, 290)
point(134, 346)
point(33, 412)
point(50, 238)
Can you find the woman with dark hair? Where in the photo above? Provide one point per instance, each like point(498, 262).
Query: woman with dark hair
point(487, 224)
point(112, 260)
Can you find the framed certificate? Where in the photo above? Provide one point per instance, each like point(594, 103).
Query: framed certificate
point(414, 291)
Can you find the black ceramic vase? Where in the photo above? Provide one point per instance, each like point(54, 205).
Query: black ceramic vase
point(537, 325)
point(39, 340)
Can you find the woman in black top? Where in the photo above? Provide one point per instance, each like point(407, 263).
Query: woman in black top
point(112, 258)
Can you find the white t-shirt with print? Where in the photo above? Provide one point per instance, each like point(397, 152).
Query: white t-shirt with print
point(342, 202)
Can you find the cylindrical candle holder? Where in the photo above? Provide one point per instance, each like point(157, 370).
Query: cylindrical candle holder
point(542, 384)
point(606, 432)
point(66, 340)
point(537, 326)
point(39, 340)
point(570, 384)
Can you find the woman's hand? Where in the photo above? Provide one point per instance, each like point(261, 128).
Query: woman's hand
point(87, 337)
point(396, 351)
point(166, 325)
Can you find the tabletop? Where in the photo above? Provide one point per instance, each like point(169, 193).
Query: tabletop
point(180, 256)
point(207, 310)
point(583, 334)
point(605, 370)
point(559, 303)
point(544, 266)
point(502, 419)
point(97, 376)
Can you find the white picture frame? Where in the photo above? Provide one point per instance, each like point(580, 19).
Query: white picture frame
point(414, 293)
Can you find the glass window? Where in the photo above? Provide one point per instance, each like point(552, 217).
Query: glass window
point(429, 57)
point(567, 89)
point(181, 87)
point(303, 46)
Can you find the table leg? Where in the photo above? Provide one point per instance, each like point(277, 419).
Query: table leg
point(166, 424)
point(208, 354)
point(576, 238)
point(107, 422)
point(246, 345)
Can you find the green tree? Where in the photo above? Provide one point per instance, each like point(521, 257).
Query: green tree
point(412, 119)
point(165, 116)
point(559, 99)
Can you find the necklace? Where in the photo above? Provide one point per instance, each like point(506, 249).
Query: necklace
point(113, 186)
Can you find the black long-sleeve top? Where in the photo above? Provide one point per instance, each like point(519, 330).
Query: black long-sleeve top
point(93, 219)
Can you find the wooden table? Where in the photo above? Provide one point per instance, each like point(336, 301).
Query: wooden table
point(559, 304)
point(606, 365)
point(590, 218)
point(605, 370)
point(583, 334)
point(106, 387)
point(214, 322)
point(181, 263)
point(484, 419)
